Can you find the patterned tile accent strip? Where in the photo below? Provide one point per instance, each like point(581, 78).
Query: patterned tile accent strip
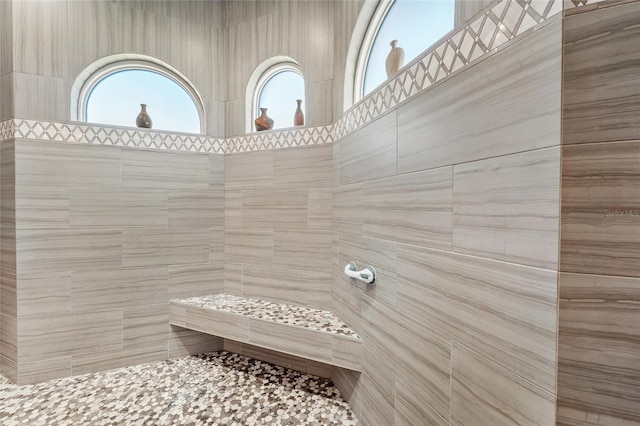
point(7, 130)
point(114, 136)
point(279, 139)
point(218, 388)
point(490, 30)
point(299, 316)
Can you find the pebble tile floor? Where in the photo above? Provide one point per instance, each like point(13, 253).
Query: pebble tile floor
point(219, 388)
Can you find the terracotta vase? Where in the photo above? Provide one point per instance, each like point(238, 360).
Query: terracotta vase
point(298, 118)
point(143, 120)
point(264, 122)
point(395, 59)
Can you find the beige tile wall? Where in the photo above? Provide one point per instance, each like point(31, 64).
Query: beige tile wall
point(258, 30)
point(277, 229)
point(454, 197)
point(55, 41)
point(105, 237)
point(8, 298)
point(599, 334)
point(6, 60)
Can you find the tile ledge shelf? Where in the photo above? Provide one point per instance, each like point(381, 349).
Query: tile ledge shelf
point(489, 30)
point(297, 330)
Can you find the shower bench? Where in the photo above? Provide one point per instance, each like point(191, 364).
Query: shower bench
point(296, 330)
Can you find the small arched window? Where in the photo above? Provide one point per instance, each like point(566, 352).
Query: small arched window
point(417, 25)
point(113, 95)
point(276, 85)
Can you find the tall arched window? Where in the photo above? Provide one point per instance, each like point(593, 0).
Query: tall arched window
point(276, 85)
point(416, 24)
point(113, 94)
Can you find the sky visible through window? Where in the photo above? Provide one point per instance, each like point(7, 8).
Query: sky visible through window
point(279, 96)
point(116, 100)
point(416, 24)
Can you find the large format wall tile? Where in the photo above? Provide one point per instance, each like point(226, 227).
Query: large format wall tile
point(42, 207)
point(54, 336)
point(302, 249)
point(485, 393)
point(370, 152)
point(253, 247)
point(163, 170)
point(72, 249)
point(506, 208)
point(44, 294)
point(599, 345)
point(423, 383)
point(196, 209)
point(413, 209)
point(509, 102)
point(601, 209)
point(308, 167)
point(299, 286)
point(252, 170)
point(505, 311)
point(348, 207)
point(276, 209)
point(41, 97)
point(174, 246)
point(602, 75)
point(117, 288)
point(118, 208)
point(51, 164)
point(196, 280)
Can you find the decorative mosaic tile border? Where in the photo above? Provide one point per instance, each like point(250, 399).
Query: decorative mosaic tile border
point(133, 138)
point(279, 139)
point(109, 136)
point(488, 31)
point(7, 130)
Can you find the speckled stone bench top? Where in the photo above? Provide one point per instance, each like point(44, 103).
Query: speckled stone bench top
point(299, 316)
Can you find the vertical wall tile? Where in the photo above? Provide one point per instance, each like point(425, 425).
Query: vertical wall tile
point(600, 209)
point(601, 75)
point(320, 208)
point(41, 97)
point(599, 345)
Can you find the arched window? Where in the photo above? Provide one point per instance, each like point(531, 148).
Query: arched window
point(417, 25)
point(113, 94)
point(276, 85)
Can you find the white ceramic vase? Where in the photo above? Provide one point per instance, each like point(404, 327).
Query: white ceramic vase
point(395, 59)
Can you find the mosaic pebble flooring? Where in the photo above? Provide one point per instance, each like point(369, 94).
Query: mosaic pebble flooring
point(219, 388)
point(299, 316)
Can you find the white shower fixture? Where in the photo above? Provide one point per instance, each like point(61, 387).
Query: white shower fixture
point(367, 275)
